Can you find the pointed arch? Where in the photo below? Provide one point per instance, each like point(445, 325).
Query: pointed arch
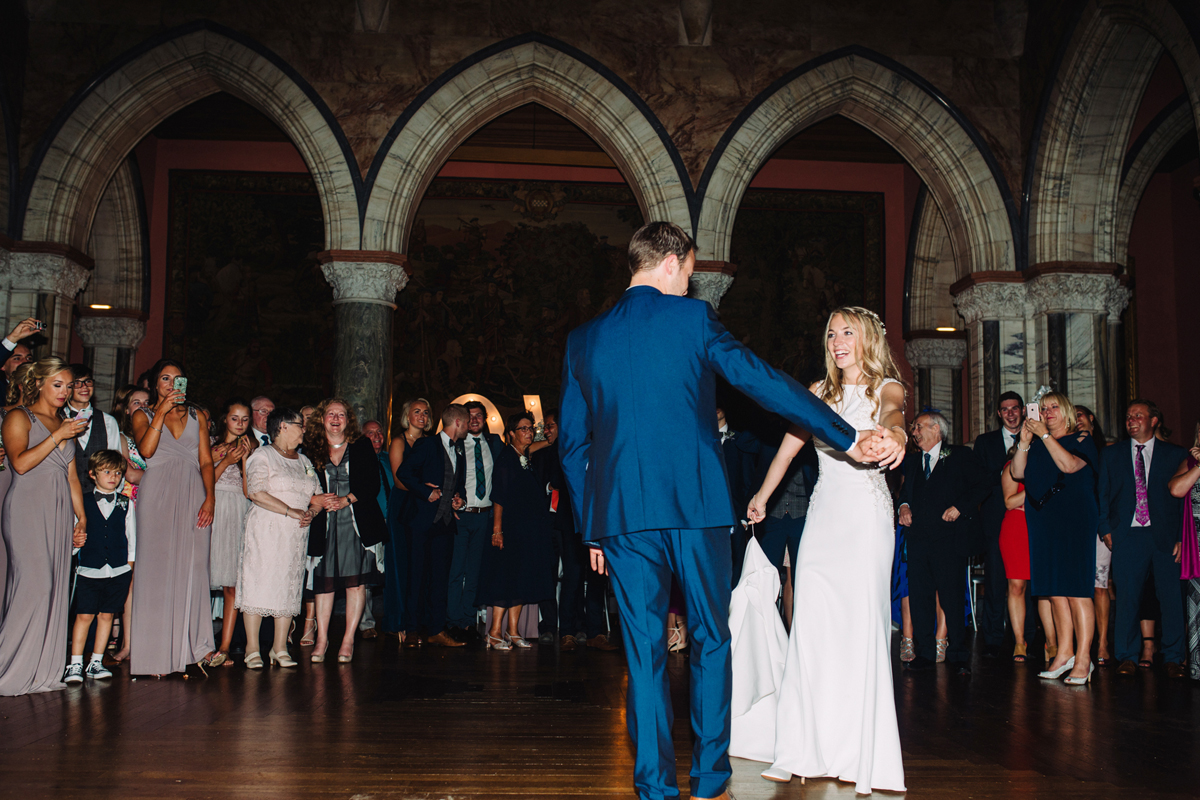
point(531, 68)
point(897, 105)
point(1075, 188)
point(1163, 133)
point(97, 129)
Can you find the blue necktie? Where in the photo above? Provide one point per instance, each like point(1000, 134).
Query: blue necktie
point(480, 479)
point(927, 467)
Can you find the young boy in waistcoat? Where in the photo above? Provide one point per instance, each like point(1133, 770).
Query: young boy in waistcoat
point(105, 558)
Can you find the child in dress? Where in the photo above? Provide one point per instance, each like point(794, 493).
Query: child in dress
point(105, 554)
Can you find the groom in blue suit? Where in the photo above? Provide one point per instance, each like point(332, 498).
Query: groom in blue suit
point(642, 457)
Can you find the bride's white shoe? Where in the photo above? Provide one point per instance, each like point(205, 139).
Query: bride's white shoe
point(778, 775)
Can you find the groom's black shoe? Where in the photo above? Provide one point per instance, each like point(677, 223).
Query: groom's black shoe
point(919, 664)
point(963, 670)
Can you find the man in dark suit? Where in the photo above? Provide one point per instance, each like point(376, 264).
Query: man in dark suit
point(481, 447)
point(430, 472)
point(992, 448)
point(642, 459)
point(741, 466)
point(579, 608)
point(16, 352)
point(939, 505)
point(1140, 521)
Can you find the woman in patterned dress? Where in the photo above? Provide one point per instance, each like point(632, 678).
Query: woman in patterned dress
point(229, 451)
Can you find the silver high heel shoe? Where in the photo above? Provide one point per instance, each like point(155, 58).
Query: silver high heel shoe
point(496, 644)
point(517, 641)
point(1055, 674)
point(1081, 681)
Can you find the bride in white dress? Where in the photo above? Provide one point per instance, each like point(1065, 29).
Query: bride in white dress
point(836, 713)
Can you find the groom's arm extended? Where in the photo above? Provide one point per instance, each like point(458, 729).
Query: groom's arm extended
point(772, 389)
point(574, 438)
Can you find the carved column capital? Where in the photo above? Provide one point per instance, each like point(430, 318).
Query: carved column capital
point(999, 300)
point(1078, 293)
point(42, 273)
point(711, 280)
point(111, 331)
point(363, 276)
point(935, 353)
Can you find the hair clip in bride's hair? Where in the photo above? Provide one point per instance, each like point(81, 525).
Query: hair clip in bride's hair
point(875, 317)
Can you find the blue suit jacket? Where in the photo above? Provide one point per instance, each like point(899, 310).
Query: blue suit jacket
point(425, 463)
point(1118, 494)
point(638, 433)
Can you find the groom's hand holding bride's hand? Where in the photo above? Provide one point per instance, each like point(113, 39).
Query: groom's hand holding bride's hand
point(887, 446)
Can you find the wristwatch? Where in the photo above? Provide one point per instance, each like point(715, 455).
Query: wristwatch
point(1045, 436)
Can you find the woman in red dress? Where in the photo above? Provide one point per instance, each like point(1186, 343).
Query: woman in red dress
point(1014, 549)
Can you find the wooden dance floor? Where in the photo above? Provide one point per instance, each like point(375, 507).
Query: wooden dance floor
point(461, 724)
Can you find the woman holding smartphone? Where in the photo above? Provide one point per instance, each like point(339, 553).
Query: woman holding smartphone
point(172, 624)
point(229, 453)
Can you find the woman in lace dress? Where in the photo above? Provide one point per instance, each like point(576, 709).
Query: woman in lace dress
point(229, 452)
point(836, 714)
point(281, 484)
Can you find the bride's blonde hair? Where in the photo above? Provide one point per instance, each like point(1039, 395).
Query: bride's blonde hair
point(874, 356)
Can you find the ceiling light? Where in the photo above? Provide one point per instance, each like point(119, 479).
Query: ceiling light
point(946, 330)
point(100, 306)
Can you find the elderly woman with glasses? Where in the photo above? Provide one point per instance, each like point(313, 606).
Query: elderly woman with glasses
point(518, 568)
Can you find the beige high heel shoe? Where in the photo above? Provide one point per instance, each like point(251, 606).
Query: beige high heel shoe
point(282, 658)
point(254, 661)
point(677, 641)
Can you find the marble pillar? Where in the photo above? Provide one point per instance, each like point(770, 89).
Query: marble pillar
point(1079, 307)
point(938, 362)
point(994, 308)
point(710, 281)
point(364, 300)
point(109, 347)
point(42, 281)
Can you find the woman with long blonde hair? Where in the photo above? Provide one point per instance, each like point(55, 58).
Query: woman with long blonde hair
point(836, 715)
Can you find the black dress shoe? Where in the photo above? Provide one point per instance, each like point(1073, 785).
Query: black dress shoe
point(919, 664)
point(991, 651)
point(963, 670)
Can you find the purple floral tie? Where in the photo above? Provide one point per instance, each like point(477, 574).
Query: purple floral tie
point(1141, 511)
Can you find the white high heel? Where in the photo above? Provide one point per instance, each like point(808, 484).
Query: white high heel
point(1055, 674)
point(678, 639)
point(777, 775)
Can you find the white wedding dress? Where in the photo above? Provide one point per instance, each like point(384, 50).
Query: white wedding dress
point(835, 713)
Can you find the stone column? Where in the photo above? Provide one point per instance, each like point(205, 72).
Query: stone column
point(109, 347)
point(364, 300)
point(994, 307)
point(710, 281)
point(1077, 309)
point(41, 280)
point(938, 362)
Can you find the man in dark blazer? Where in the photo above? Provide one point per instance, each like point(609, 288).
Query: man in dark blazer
point(992, 448)
point(1143, 530)
point(430, 472)
point(579, 608)
point(16, 352)
point(642, 458)
point(741, 464)
point(939, 505)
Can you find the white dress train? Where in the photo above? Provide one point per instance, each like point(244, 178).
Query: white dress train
point(835, 713)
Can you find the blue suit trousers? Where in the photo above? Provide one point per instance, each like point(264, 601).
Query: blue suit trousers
point(641, 565)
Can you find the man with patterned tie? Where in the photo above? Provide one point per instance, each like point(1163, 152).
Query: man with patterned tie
point(474, 522)
point(1139, 520)
point(260, 408)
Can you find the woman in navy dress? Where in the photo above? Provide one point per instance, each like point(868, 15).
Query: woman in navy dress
point(415, 421)
point(1057, 464)
point(518, 567)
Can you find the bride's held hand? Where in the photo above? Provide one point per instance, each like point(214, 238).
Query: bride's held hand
point(757, 510)
point(887, 446)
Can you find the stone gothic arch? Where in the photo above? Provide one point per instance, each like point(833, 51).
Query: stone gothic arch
point(100, 126)
point(1076, 188)
point(900, 107)
point(1175, 122)
point(530, 68)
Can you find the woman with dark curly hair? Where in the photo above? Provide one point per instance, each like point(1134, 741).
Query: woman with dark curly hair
point(350, 522)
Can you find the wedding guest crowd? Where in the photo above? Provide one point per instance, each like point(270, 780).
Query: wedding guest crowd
point(451, 535)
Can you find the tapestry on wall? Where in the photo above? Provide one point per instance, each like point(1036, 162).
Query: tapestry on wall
point(248, 310)
point(501, 273)
point(799, 255)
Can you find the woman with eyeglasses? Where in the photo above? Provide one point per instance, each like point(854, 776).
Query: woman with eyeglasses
point(1057, 462)
point(518, 567)
point(416, 420)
